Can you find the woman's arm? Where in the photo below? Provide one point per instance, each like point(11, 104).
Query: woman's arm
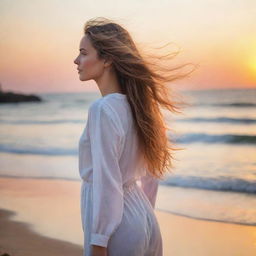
point(149, 184)
point(106, 139)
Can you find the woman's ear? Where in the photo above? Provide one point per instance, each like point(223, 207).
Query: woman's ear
point(107, 63)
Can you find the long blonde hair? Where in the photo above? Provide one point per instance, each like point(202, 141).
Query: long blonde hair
point(143, 82)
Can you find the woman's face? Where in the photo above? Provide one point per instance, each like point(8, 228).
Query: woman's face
point(88, 64)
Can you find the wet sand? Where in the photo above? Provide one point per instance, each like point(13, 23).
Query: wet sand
point(18, 239)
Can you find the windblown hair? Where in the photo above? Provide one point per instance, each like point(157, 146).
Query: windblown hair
point(144, 83)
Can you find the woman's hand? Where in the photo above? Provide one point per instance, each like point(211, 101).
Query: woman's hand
point(99, 250)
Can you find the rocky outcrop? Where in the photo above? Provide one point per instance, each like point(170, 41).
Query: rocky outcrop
point(11, 97)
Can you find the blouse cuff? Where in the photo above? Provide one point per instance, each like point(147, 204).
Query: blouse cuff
point(100, 240)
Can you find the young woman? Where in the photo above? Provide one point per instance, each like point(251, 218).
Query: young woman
point(124, 141)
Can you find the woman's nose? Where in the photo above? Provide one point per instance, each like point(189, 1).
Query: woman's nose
point(75, 61)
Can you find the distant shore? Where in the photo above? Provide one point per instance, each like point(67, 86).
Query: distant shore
point(14, 97)
point(48, 223)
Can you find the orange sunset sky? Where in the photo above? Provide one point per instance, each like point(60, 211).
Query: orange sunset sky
point(40, 40)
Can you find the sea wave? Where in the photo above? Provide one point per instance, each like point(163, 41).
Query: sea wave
point(212, 183)
point(31, 150)
point(62, 150)
point(215, 138)
point(230, 104)
point(60, 121)
point(219, 120)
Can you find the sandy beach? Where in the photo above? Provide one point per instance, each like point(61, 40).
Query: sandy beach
point(42, 217)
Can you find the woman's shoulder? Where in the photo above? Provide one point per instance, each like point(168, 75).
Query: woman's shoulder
point(109, 104)
point(100, 105)
point(106, 108)
point(96, 105)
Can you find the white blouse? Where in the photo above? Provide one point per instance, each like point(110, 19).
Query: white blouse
point(109, 156)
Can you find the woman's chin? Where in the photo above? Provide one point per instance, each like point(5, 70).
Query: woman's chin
point(81, 78)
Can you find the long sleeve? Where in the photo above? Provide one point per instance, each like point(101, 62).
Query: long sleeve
point(149, 184)
point(106, 139)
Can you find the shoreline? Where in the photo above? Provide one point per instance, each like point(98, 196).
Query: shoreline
point(35, 215)
point(160, 210)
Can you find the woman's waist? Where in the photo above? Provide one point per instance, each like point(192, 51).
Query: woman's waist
point(126, 185)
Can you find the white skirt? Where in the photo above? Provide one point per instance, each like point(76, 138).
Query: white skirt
point(138, 233)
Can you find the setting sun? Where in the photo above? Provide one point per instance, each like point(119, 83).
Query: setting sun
point(252, 63)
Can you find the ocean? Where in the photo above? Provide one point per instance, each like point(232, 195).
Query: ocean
point(214, 177)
